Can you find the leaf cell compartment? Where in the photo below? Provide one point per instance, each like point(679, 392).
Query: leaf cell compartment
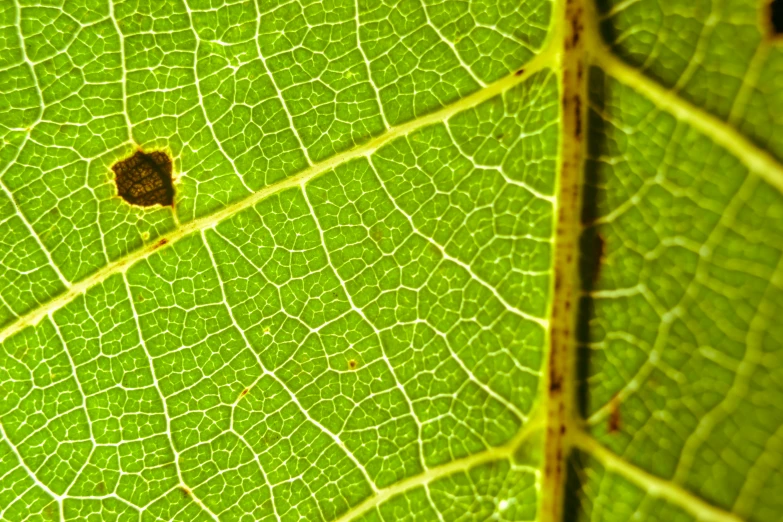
point(144, 179)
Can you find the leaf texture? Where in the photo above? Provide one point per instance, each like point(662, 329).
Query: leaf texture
point(426, 260)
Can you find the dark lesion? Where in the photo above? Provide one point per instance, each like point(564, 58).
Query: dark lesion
point(774, 19)
point(144, 179)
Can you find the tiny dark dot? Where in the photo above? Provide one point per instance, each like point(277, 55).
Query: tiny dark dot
point(352, 364)
point(776, 17)
point(144, 179)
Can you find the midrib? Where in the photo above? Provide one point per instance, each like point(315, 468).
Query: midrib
point(565, 429)
point(559, 390)
point(539, 62)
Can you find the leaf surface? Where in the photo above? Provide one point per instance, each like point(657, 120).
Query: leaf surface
point(425, 261)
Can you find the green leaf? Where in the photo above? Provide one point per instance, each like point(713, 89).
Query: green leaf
point(426, 260)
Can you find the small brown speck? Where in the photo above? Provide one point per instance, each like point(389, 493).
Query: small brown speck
point(613, 424)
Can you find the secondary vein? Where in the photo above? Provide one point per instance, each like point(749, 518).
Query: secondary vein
point(652, 485)
point(540, 62)
point(755, 158)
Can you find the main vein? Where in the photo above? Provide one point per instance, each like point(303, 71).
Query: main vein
point(560, 390)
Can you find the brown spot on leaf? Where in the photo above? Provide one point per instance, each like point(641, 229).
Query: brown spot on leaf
point(185, 491)
point(352, 364)
point(163, 242)
point(145, 179)
point(520, 72)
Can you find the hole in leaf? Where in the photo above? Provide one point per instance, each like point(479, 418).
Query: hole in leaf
point(776, 18)
point(144, 179)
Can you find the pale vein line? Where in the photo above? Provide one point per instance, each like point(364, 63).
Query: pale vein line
point(618, 8)
point(156, 385)
point(702, 45)
point(652, 485)
point(203, 107)
point(209, 221)
point(749, 82)
point(743, 378)
point(367, 63)
point(465, 464)
point(5, 189)
point(668, 316)
point(207, 121)
point(93, 442)
point(30, 473)
point(766, 464)
point(543, 322)
point(451, 45)
point(335, 438)
point(257, 460)
point(26, 222)
point(124, 70)
point(756, 159)
point(484, 386)
point(274, 83)
point(360, 312)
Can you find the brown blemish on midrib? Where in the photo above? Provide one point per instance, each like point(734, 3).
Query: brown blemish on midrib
point(560, 379)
